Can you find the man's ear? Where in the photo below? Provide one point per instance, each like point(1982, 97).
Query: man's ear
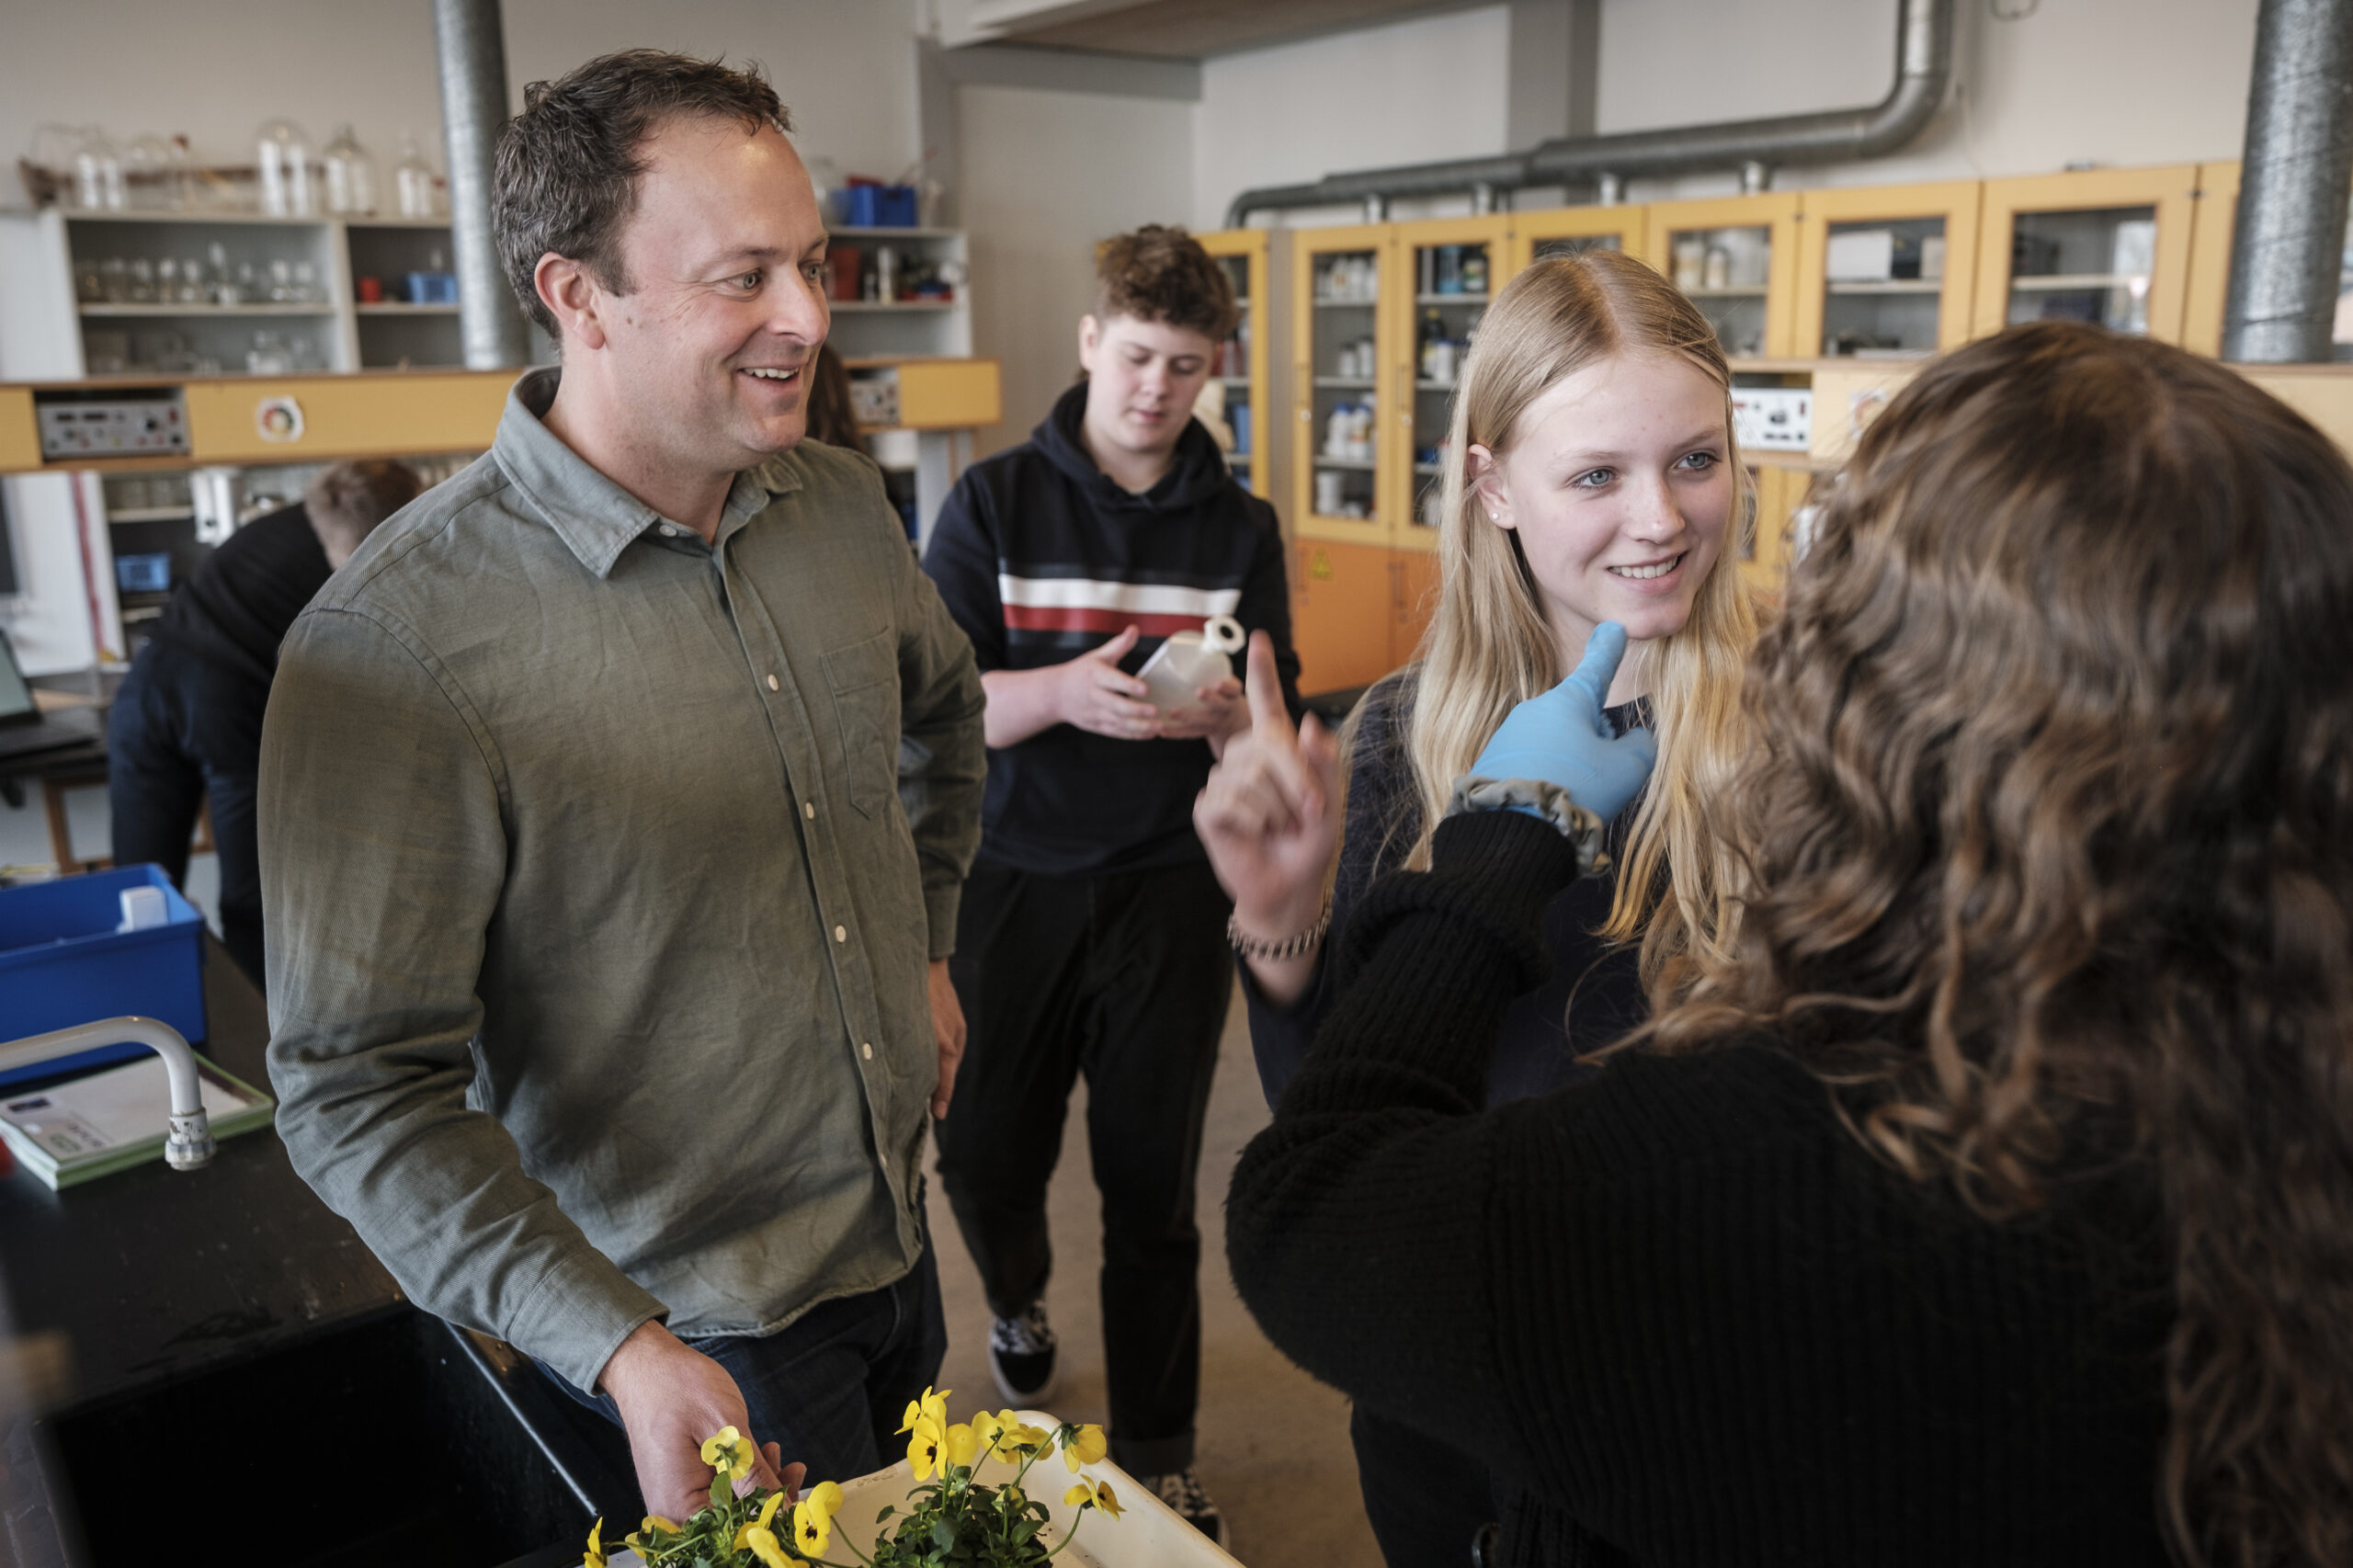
point(573, 297)
point(1484, 478)
point(1090, 337)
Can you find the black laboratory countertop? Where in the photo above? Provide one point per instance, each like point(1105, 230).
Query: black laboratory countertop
point(154, 1273)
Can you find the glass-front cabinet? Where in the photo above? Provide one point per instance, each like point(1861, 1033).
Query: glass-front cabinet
point(1886, 274)
point(1344, 383)
point(1737, 260)
point(1566, 231)
point(1455, 267)
point(2109, 246)
point(1240, 372)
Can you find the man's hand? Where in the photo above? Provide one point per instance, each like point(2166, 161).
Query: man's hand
point(1271, 820)
point(1096, 694)
point(948, 1028)
point(1216, 714)
point(672, 1398)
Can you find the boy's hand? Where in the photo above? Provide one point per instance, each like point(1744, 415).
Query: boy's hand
point(1216, 714)
point(1097, 696)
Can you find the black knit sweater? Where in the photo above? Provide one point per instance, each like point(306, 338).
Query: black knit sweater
point(1679, 1312)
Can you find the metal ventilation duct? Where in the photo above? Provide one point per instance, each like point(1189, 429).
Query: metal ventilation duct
point(2288, 245)
point(473, 50)
point(1922, 67)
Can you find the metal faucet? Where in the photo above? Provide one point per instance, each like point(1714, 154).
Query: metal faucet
point(188, 1146)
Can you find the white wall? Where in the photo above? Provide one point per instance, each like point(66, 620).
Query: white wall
point(2119, 82)
point(216, 69)
point(1046, 174)
point(1408, 92)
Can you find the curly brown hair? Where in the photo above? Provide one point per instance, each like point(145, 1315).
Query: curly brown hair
point(2050, 822)
point(1159, 273)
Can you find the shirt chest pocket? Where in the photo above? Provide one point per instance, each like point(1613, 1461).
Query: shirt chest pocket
point(864, 681)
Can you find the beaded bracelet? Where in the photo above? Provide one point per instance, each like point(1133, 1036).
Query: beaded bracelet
point(1297, 945)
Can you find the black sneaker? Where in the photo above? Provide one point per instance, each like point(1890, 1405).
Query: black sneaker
point(1181, 1489)
point(1021, 1357)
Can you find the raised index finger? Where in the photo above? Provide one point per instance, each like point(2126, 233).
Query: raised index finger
point(1270, 719)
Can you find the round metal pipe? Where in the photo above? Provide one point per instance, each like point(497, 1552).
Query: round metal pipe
point(2288, 243)
point(187, 1143)
point(472, 47)
point(1923, 70)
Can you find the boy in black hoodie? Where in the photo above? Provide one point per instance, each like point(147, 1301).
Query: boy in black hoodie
point(1092, 937)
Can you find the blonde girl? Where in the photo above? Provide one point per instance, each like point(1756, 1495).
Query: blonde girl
point(1595, 479)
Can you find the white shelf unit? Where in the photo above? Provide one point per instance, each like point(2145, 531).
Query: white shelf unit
point(56, 334)
point(905, 328)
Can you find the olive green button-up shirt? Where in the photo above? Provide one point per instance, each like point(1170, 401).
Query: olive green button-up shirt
point(601, 869)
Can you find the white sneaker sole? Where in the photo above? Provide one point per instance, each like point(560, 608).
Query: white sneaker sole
point(1037, 1397)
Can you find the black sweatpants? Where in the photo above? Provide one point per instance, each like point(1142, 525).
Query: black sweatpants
point(1126, 979)
point(184, 731)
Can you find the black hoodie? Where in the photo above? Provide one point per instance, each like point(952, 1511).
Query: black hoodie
point(1039, 557)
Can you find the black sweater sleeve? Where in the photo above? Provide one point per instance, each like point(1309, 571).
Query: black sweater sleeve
point(1356, 1223)
point(961, 561)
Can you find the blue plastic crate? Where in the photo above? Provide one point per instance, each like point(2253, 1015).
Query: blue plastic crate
point(879, 206)
point(62, 962)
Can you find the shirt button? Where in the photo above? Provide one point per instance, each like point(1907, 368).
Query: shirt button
point(841, 933)
point(669, 532)
point(772, 684)
point(809, 810)
point(867, 1050)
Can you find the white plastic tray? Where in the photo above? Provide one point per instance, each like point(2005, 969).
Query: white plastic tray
point(1148, 1534)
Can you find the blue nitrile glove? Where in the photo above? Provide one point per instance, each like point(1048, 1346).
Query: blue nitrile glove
point(1562, 737)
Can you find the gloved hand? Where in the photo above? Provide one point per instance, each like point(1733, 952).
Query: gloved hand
point(1563, 738)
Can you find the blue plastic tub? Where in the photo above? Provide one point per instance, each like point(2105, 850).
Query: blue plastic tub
point(879, 206)
point(62, 962)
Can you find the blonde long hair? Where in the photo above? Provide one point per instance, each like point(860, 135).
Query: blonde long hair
point(1489, 647)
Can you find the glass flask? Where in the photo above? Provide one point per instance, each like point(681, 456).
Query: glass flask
point(413, 194)
point(350, 176)
point(98, 173)
point(282, 155)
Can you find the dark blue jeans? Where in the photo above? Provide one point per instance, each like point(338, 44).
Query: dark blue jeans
point(831, 1388)
point(183, 732)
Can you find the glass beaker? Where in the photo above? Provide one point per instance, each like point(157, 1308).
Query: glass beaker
point(282, 155)
point(350, 176)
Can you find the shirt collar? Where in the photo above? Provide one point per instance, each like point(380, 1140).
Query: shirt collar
point(595, 517)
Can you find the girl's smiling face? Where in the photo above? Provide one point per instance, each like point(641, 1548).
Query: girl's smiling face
point(1619, 483)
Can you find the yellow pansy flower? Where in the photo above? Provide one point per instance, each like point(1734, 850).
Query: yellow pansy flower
point(656, 1522)
point(648, 1535)
point(766, 1548)
point(1106, 1499)
point(923, 1448)
point(931, 1407)
point(825, 1495)
point(811, 1526)
point(990, 1431)
point(1080, 1495)
point(1086, 1445)
point(962, 1445)
point(595, 1556)
point(768, 1512)
point(729, 1452)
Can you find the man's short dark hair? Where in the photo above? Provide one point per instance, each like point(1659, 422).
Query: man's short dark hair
point(568, 164)
point(348, 500)
point(1161, 274)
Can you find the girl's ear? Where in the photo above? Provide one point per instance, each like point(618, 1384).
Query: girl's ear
point(1484, 478)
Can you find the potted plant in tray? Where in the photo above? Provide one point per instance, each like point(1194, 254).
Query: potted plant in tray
point(950, 1519)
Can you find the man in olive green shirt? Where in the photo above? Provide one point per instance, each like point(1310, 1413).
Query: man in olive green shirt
point(615, 800)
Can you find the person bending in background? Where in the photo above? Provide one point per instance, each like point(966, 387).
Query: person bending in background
point(186, 726)
point(1092, 934)
point(1988, 1198)
point(1599, 482)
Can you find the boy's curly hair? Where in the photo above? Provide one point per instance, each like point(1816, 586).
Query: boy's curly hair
point(1159, 273)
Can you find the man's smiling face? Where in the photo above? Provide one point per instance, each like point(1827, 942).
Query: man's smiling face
point(725, 255)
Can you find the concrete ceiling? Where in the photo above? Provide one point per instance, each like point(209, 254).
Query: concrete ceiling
point(1181, 29)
